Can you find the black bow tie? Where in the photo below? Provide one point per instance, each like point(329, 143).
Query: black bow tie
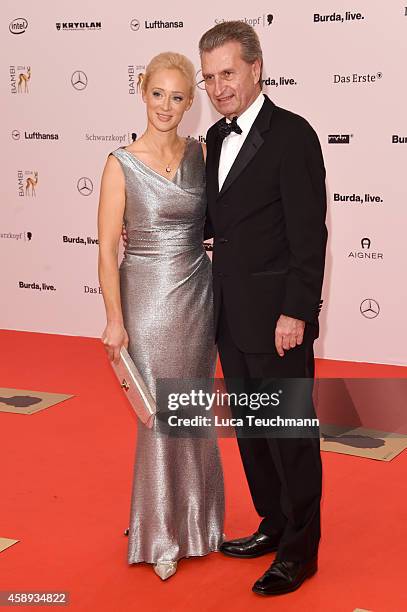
point(226, 128)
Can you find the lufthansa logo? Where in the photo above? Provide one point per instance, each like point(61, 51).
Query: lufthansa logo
point(369, 308)
point(135, 25)
point(15, 135)
point(85, 186)
point(79, 80)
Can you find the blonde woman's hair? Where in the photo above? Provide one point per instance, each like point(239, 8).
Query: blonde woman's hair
point(171, 61)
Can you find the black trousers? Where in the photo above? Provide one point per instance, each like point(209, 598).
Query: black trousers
point(284, 474)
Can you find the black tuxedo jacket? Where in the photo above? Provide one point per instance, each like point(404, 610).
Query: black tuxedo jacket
point(268, 225)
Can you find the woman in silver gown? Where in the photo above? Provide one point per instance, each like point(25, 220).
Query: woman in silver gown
point(159, 305)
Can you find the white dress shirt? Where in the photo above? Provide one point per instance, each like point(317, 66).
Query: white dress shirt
point(233, 142)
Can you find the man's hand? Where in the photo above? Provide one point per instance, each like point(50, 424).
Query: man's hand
point(124, 235)
point(289, 333)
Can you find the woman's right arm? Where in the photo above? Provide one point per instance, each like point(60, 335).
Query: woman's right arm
point(110, 219)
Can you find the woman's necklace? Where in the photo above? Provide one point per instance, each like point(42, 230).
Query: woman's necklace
point(168, 167)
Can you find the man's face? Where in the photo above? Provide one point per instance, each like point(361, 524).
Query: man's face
point(231, 83)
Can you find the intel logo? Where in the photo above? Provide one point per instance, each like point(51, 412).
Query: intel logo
point(18, 26)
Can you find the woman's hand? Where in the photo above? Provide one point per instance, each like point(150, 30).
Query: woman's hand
point(114, 337)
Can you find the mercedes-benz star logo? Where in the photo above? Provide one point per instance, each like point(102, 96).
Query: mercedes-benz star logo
point(369, 308)
point(85, 186)
point(79, 80)
point(200, 83)
point(135, 25)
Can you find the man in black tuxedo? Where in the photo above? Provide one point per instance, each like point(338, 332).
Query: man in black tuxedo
point(266, 213)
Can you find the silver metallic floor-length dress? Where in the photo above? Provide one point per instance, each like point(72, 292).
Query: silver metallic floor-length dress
point(177, 504)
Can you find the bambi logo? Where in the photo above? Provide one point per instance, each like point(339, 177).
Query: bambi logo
point(85, 186)
point(31, 183)
point(79, 80)
point(23, 78)
point(140, 78)
point(270, 19)
point(365, 243)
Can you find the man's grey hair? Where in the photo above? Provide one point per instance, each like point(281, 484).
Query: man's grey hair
point(234, 31)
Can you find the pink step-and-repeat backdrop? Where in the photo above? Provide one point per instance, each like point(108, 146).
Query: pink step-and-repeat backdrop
point(70, 89)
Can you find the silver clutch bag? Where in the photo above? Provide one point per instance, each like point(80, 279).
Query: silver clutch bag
point(135, 388)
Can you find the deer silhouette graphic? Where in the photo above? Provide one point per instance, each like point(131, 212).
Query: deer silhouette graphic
point(31, 182)
point(24, 78)
point(140, 78)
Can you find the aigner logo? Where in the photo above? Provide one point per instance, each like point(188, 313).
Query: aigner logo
point(135, 76)
point(85, 186)
point(369, 308)
point(18, 26)
point(365, 253)
point(79, 80)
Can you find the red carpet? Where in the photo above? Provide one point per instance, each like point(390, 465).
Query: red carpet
point(66, 482)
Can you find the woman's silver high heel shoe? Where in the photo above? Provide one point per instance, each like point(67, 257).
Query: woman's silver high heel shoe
point(165, 569)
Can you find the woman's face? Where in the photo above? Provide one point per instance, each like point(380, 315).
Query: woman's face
point(167, 97)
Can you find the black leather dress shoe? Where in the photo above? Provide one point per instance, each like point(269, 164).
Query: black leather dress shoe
point(252, 546)
point(285, 576)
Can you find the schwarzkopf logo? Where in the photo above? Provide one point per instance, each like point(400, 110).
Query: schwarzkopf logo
point(264, 20)
point(79, 80)
point(78, 26)
point(19, 236)
point(119, 138)
point(18, 26)
point(339, 138)
point(369, 308)
point(85, 186)
point(365, 253)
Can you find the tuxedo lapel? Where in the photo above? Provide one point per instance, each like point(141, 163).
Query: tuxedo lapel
point(251, 145)
point(213, 168)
